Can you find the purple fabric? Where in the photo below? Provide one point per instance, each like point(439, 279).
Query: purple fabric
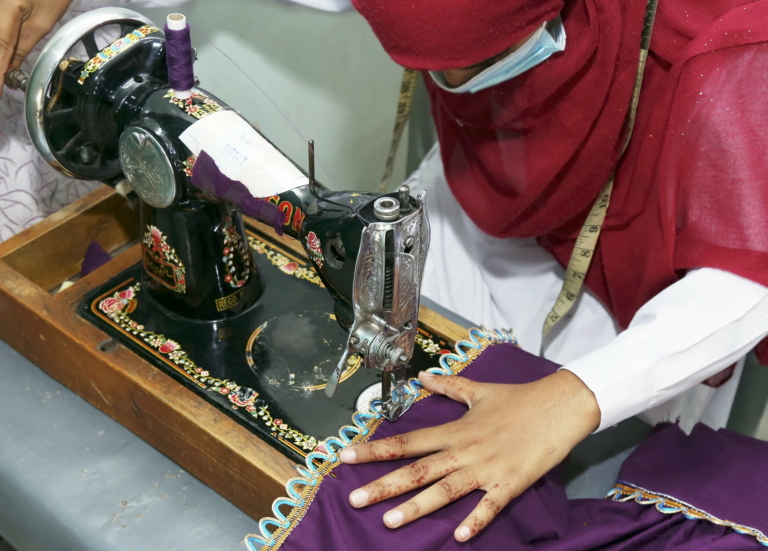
point(180, 58)
point(95, 257)
point(542, 518)
point(726, 464)
point(207, 177)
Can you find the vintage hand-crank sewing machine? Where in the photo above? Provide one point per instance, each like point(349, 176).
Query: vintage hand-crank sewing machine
point(231, 313)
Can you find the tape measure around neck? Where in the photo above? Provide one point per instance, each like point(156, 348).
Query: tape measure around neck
point(403, 111)
point(584, 250)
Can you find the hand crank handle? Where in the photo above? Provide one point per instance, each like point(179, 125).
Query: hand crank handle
point(16, 79)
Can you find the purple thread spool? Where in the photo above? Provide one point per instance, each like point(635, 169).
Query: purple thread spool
point(179, 55)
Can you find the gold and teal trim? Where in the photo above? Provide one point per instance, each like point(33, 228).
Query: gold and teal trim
point(321, 463)
point(624, 491)
point(198, 105)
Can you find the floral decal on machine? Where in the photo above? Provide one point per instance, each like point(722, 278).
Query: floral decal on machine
point(198, 105)
point(236, 257)
point(285, 264)
point(118, 307)
point(123, 301)
point(189, 165)
point(161, 261)
point(315, 249)
point(118, 46)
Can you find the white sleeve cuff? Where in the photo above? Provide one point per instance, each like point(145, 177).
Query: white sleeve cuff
point(689, 332)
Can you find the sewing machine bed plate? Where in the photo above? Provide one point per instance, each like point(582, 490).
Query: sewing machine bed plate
point(44, 325)
point(267, 367)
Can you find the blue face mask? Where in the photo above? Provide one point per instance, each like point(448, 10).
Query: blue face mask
point(549, 39)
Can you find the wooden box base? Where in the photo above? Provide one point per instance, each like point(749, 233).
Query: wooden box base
point(43, 325)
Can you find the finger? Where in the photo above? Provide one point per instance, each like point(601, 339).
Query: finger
point(37, 21)
point(454, 486)
point(403, 480)
point(10, 23)
point(411, 444)
point(456, 388)
point(481, 516)
point(32, 31)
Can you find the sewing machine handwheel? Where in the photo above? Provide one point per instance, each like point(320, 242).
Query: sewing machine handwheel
point(54, 107)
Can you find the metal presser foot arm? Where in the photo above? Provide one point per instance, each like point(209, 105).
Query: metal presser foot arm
point(395, 398)
point(386, 291)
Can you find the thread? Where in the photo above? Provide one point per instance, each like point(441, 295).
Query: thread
point(179, 55)
point(269, 98)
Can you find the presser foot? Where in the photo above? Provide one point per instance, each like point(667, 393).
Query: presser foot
point(395, 396)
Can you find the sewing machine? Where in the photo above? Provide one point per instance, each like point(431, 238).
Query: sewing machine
point(231, 312)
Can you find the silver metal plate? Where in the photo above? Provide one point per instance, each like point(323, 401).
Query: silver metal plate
point(147, 167)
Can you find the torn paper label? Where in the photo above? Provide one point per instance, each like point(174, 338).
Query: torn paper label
point(243, 155)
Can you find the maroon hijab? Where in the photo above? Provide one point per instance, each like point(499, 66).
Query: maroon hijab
point(526, 158)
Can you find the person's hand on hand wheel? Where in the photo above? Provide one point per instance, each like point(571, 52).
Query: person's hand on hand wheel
point(23, 23)
point(511, 436)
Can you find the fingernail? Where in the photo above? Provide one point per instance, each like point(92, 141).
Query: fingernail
point(348, 456)
point(462, 534)
point(358, 498)
point(426, 374)
point(394, 518)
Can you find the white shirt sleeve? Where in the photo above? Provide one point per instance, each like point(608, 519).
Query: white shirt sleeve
point(692, 330)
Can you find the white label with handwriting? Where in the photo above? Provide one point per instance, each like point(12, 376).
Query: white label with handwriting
point(242, 154)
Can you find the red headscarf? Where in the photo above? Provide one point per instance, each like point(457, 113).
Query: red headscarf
point(434, 36)
point(526, 158)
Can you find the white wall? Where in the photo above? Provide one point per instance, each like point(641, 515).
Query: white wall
point(325, 71)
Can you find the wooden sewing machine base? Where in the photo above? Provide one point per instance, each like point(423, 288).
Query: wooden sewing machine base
point(45, 326)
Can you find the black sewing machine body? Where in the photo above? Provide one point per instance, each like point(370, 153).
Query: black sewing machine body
point(130, 92)
point(256, 334)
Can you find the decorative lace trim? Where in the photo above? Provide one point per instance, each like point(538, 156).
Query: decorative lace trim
point(624, 491)
point(302, 489)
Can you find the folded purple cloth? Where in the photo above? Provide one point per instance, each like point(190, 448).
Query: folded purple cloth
point(543, 519)
point(207, 177)
point(717, 475)
point(95, 257)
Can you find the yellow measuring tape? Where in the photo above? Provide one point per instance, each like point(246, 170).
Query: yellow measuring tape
point(403, 110)
point(582, 254)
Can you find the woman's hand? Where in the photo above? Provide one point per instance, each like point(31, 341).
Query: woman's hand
point(23, 23)
point(511, 436)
